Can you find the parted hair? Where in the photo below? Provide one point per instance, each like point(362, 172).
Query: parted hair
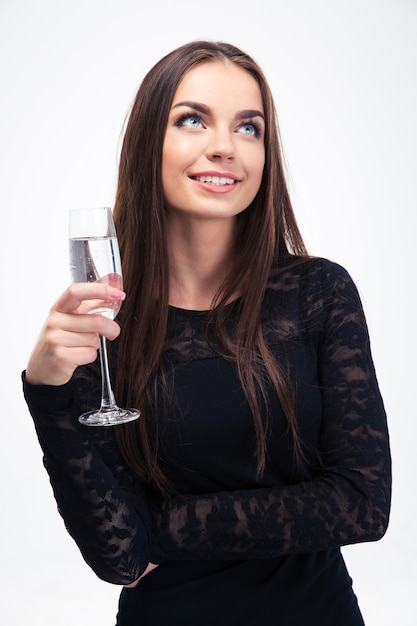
point(266, 231)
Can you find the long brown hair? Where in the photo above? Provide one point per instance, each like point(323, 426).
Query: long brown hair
point(266, 230)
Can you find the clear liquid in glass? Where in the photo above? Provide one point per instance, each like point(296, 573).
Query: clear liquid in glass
point(97, 259)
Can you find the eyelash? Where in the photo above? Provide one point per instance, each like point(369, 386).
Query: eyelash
point(256, 127)
point(186, 116)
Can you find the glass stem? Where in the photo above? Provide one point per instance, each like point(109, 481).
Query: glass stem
point(107, 398)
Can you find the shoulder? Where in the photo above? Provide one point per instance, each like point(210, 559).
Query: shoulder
point(313, 276)
point(307, 289)
point(296, 270)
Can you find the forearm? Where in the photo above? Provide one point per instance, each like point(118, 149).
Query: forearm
point(103, 508)
point(332, 511)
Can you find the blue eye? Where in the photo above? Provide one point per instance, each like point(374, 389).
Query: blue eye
point(193, 121)
point(250, 128)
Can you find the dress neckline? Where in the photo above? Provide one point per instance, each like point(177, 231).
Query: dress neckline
point(199, 312)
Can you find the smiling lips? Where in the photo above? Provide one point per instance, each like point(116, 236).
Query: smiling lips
point(218, 181)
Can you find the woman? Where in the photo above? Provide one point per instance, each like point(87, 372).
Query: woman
point(263, 445)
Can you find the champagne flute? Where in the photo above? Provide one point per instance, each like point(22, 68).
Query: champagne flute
point(95, 257)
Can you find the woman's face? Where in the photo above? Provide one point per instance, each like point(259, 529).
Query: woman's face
point(213, 153)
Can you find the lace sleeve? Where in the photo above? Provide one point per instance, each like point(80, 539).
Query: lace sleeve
point(102, 505)
point(348, 502)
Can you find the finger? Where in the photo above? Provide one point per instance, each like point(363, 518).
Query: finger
point(150, 568)
point(75, 294)
point(70, 338)
point(81, 324)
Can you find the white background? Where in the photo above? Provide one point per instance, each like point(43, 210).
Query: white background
point(343, 73)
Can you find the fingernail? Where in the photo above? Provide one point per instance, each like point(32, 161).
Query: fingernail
point(116, 293)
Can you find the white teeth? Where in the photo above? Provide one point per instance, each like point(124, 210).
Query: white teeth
point(216, 180)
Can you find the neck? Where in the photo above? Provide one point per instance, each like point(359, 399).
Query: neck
point(200, 257)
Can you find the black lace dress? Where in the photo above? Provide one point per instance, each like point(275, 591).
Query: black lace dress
point(235, 549)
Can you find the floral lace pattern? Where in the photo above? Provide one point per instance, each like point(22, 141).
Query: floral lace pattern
point(348, 499)
point(313, 311)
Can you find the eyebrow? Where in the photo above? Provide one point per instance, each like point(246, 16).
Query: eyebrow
point(202, 108)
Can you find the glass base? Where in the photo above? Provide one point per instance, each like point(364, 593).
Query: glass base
point(109, 417)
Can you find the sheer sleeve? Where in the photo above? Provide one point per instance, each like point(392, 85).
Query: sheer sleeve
point(347, 502)
point(103, 506)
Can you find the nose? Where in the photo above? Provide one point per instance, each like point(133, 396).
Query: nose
point(220, 145)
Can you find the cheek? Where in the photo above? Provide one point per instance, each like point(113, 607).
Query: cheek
point(257, 165)
point(261, 171)
point(169, 161)
point(176, 158)
point(174, 164)
point(255, 180)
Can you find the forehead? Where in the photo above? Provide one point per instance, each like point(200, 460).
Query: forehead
point(215, 80)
